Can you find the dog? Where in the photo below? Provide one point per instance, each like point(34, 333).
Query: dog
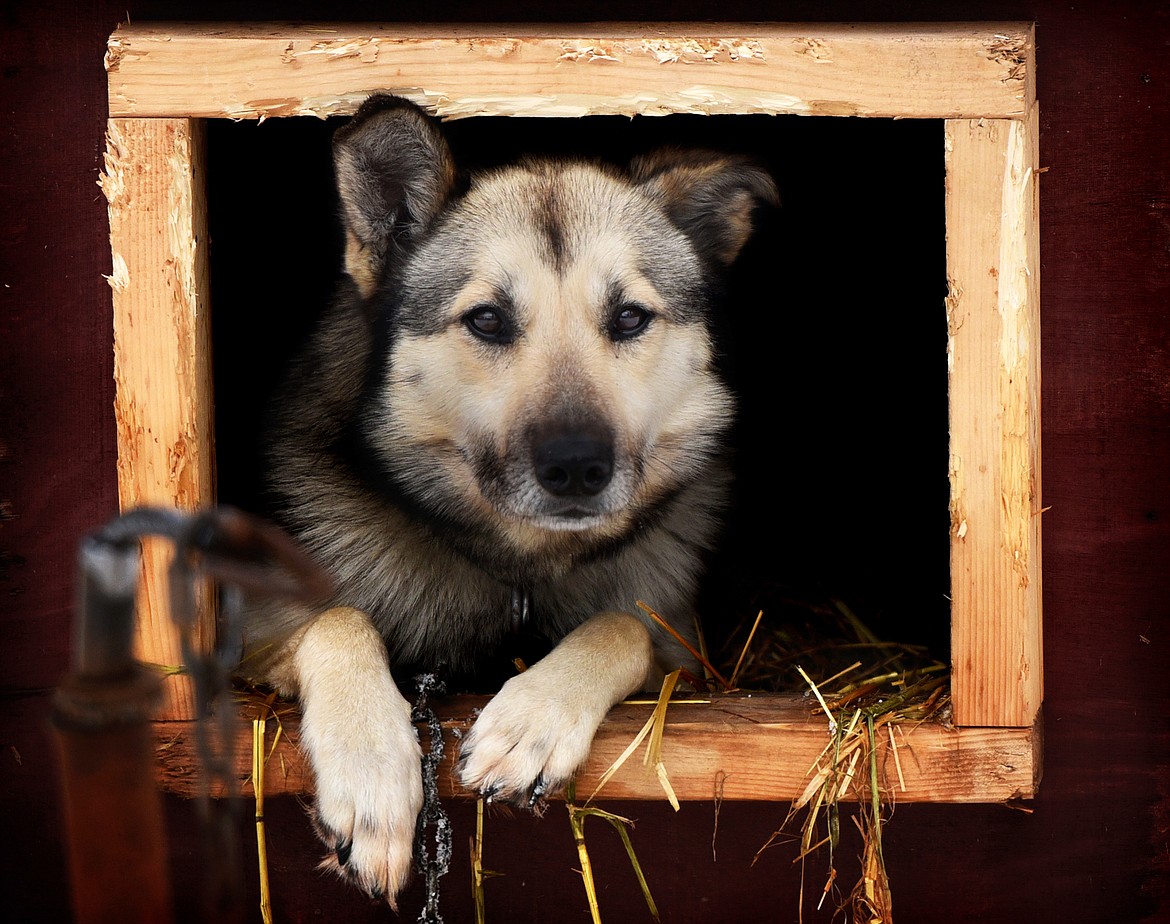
point(511, 412)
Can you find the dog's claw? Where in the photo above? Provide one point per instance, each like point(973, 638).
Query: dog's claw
point(489, 792)
point(343, 851)
point(536, 795)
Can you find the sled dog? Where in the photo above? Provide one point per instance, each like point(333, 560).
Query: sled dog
point(510, 413)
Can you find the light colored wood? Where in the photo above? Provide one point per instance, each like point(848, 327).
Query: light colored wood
point(980, 76)
point(753, 748)
point(236, 71)
point(993, 314)
point(162, 350)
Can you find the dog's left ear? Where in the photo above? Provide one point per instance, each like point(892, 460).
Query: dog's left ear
point(710, 196)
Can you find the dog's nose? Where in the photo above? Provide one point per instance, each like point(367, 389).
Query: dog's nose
point(574, 465)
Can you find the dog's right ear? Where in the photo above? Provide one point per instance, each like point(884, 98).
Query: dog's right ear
point(394, 173)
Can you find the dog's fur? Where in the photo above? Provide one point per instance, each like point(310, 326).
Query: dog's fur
point(513, 397)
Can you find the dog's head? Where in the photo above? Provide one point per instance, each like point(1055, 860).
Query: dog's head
point(546, 360)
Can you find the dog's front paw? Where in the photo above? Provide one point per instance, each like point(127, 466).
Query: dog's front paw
point(529, 740)
point(368, 798)
point(361, 744)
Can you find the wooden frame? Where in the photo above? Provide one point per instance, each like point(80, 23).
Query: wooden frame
point(980, 78)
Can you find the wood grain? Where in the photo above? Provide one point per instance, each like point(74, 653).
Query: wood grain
point(162, 352)
point(993, 312)
point(745, 747)
point(269, 70)
point(954, 70)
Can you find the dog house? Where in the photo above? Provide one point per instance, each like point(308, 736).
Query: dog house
point(166, 83)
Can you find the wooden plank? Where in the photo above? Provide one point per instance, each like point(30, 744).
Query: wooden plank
point(952, 70)
point(994, 325)
point(153, 182)
point(751, 747)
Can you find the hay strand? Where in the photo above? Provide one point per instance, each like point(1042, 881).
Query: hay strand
point(653, 756)
point(720, 781)
point(654, 727)
point(622, 758)
point(746, 647)
point(695, 653)
point(820, 699)
point(865, 700)
point(258, 762)
point(577, 825)
point(577, 816)
point(897, 760)
point(479, 875)
point(477, 865)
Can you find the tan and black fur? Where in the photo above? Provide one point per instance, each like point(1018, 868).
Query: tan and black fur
point(514, 393)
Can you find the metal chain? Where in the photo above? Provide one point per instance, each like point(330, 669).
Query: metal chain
point(433, 816)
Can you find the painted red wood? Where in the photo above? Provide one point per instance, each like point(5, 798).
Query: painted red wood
point(1095, 847)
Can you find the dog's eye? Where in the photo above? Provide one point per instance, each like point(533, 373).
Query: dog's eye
point(628, 321)
point(488, 323)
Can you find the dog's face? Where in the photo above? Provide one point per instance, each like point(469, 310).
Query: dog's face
point(552, 361)
point(548, 361)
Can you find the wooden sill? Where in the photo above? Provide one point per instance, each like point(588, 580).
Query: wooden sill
point(753, 747)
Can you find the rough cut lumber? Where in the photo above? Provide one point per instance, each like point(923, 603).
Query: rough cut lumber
point(162, 350)
point(162, 79)
point(993, 312)
point(237, 71)
point(746, 747)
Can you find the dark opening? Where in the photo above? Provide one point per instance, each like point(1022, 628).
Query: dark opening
point(836, 341)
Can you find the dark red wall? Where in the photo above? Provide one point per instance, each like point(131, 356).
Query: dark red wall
point(1096, 846)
